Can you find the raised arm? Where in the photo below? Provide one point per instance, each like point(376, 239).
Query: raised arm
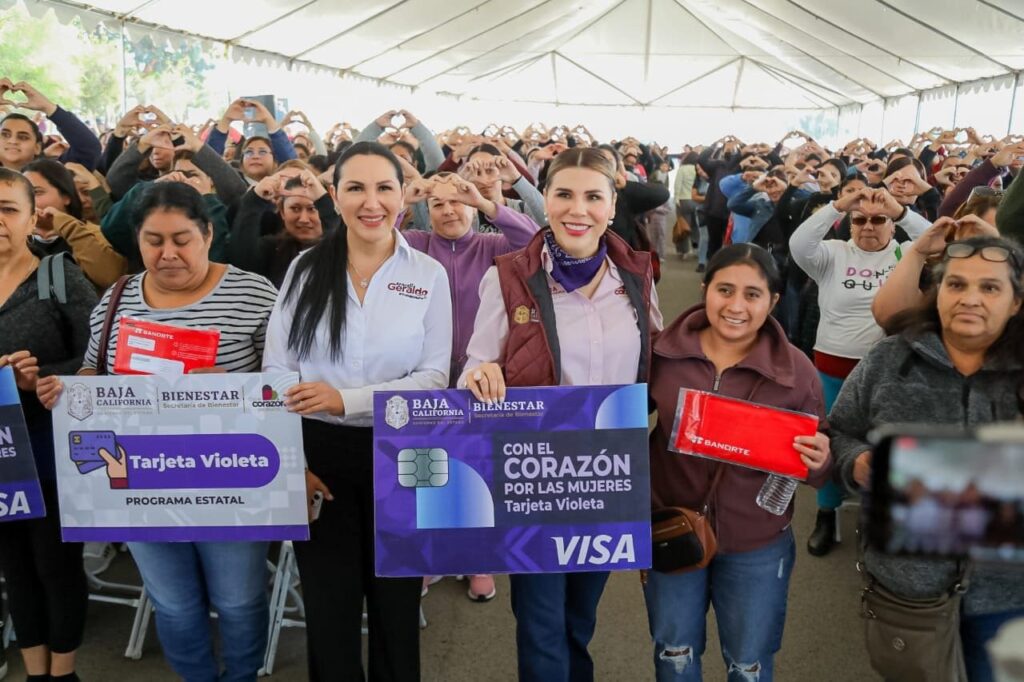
point(807, 245)
point(93, 253)
point(641, 197)
point(83, 145)
point(243, 244)
point(431, 150)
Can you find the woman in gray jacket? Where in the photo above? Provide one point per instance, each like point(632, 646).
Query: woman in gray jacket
point(956, 361)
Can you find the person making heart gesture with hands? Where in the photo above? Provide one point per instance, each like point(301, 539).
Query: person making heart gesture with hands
point(405, 129)
point(21, 140)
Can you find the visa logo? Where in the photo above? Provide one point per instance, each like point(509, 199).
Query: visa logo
point(18, 504)
point(594, 550)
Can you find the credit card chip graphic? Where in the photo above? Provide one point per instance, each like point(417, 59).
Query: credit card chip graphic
point(422, 467)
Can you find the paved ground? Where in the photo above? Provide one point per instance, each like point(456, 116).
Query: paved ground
point(466, 642)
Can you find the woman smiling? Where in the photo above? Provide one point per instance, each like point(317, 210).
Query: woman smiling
point(729, 344)
point(360, 312)
point(592, 313)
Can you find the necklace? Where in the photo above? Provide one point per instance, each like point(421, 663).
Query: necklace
point(364, 282)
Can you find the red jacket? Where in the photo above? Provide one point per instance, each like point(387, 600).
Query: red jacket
point(532, 351)
point(775, 373)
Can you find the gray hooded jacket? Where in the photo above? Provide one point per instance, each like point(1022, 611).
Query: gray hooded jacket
point(904, 381)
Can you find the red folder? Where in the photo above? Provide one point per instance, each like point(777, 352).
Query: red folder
point(740, 432)
point(145, 347)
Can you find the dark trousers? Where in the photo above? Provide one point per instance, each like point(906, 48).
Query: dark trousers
point(46, 586)
point(716, 233)
point(556, 614)
point(336, 569)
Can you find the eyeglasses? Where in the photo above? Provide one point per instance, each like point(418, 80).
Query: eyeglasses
point(256, 152)
point(991, 253)
point(875, 220)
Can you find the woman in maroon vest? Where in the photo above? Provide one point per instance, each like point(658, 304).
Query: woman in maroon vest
point(577, 306)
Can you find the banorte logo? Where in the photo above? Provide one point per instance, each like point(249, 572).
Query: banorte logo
point(268, 398)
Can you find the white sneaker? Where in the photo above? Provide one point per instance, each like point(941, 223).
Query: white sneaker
point(98, 556)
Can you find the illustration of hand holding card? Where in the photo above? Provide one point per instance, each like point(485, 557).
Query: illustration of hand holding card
point(91, 450)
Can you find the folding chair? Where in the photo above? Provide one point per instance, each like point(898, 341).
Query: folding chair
point(286, 603)
point(285, 584)
point(133, 596)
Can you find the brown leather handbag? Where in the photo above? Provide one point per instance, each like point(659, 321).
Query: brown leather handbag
point(682, 539)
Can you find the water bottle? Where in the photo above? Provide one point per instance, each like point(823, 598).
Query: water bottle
point(776, 494)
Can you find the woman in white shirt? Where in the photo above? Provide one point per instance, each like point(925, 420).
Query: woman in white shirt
point(848, 275)
point(360, 312)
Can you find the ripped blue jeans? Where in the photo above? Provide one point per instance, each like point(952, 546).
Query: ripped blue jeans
point(748, 592)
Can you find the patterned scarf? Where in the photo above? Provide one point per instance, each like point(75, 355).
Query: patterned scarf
point(569, 271)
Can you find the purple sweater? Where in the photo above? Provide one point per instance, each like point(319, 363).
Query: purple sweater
point(466, 259)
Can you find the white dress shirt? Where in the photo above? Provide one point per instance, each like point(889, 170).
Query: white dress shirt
point(398, 338)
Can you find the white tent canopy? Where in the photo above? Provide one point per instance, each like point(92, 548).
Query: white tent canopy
point(715, 53)
point(893, 57)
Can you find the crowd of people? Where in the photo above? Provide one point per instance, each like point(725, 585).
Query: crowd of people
point(865, 285)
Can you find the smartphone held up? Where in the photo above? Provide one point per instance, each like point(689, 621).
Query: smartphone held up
point(949, 493)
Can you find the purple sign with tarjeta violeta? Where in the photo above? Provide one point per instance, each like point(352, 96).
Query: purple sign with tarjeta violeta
point(189, 458)
point(549, 480)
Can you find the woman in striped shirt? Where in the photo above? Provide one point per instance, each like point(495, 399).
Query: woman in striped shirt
point(180, 286)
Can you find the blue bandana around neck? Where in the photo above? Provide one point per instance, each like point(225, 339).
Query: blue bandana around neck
point(569, 271)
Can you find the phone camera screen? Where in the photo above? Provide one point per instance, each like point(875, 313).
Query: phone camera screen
point(957, 497)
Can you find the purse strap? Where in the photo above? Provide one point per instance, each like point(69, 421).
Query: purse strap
point(964, 568)
point(108, 322)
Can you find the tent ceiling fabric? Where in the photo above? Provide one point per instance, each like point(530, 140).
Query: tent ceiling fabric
point(671, 53)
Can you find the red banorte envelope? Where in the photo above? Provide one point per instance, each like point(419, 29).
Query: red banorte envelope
point(145, 347)
point(740, 432)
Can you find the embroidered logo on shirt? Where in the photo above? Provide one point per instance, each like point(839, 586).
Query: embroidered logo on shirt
point(621, 291)
point(408, 290)
point(521, 315)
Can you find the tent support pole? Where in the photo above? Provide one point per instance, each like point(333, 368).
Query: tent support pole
point(1013, 102)
point(881, 132)
point(956, 103)
point(124, 67)
point(917, 116)
point(647, 40)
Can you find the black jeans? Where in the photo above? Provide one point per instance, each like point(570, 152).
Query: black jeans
point(336, 568)
point(716, 233)
point(46, 586)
